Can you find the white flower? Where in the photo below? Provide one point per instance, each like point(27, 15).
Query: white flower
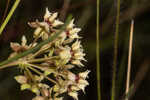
point(77, 53)
point(76, 45)
point(82, 87)
point(72, 32)
point(74, 95)
point(83, 81)
point(53, 17)
point(44, 25)
point(65, 53)
point(57, 23)
point(75, 30)
point(77, 62)
point(84, 75)
point(74, 36)
point(42, 29)
point(19, 48)
point(74, 88)
point(50, 18)
point(71, 76)
point(47, 14)
point(71, 24)
point(24, 41)
point(63, 87)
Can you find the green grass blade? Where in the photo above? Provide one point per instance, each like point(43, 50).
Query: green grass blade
point(15, 5)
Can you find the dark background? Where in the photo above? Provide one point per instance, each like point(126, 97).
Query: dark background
point(84, 12)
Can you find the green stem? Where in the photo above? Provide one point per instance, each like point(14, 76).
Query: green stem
point(113, 92)
point(9, 16)
point(37, 47)
point(98, 51)
point(35, 66)
point(36, 71)
point(39, 52)
point(42, 59)
point(30, 74)
point(9, 65)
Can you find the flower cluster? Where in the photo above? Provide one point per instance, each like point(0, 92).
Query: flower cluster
point(49, 72)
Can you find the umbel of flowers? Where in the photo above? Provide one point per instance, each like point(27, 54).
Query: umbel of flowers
point(49, 72)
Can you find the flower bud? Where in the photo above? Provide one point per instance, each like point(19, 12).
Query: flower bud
point(57, 23)
point(25, 86)
point(75, 30)
point(83, 81)
point(53, 17)
point(47, 14)
point(84, 74)
point(71, 25)
point(77, 62)
point(21, 79)
point(76, 45)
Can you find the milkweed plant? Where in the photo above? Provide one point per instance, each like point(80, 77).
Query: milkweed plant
point(49, 72)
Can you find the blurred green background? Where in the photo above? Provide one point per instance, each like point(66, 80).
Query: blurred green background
point(84, 12)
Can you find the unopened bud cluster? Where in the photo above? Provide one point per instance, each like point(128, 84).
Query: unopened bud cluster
point(48, 72)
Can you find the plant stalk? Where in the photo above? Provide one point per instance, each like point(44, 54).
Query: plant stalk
point(15, 5)
point(98, 50)
point(129, 57)
point(113, 92)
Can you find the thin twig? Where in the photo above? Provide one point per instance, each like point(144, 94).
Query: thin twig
point(129, 57)
point(9, 65)
point(98, 51)
point(113, 92)
point(140, 75)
